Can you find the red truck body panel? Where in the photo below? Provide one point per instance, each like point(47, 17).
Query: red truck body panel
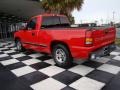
point(40, 39)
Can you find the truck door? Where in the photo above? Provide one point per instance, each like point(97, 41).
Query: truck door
point(30, 34)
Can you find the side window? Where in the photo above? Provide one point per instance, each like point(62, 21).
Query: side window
point(31, 25)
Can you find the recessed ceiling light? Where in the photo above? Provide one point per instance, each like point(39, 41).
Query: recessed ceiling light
point(13, 16)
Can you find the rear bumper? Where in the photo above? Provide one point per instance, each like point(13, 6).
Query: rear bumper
point(92, 52)
point(103, 51)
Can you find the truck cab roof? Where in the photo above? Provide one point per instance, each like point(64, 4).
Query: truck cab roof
point(46, 14)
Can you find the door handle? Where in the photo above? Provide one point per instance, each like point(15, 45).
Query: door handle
point(33, 34)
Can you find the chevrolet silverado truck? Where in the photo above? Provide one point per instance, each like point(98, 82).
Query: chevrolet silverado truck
point(52, 34)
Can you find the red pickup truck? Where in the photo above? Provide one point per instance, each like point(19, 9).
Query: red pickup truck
point(53, 34)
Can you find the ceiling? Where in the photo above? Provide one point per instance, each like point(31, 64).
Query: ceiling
point(20, 8)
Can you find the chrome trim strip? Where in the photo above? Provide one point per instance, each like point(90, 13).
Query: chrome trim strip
point(42, 45)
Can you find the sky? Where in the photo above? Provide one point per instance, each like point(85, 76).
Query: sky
point(100, 11)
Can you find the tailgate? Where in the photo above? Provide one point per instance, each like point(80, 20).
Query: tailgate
point(103, 36)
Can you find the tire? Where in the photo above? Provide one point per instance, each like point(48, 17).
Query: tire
point(19, 46)
point(62, 56)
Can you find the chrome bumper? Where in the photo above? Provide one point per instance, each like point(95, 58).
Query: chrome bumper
point(103, 51)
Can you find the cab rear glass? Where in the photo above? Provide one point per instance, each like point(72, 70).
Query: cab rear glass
point(54, 21)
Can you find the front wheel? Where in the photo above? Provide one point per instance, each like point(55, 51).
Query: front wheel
point(62, 56)
point(19, 45)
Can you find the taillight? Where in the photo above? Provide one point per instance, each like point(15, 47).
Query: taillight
point(89, 38)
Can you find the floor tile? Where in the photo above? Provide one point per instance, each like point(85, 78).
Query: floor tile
point(67, 77)
point(81, 70)
point(115, 53)
point(5, 58)
point(9, 51)
point(5, 49)
point(31, 61)
point(48, 84)
point(18, 55)
point(13, 53)
point(110, 57)
point(44, 57)
point(68, 67)
point(40, 65)
point(109, 68)
point(11, 45)
point(68, 88)
point(17, 85)
point(52, 70)
point(3, 55)
point(22, 71)
point(79, 61)
point(117, 58)
point(92, 64)
point(114, 62)
point(35, 55)
point(5, 76)
point(14, 48)
point(24, 58)
point(33, 77)
point(29, 52)
point(2, 68)
point(8, 81)
point(101, 76)
point(50, 61)
point(114, 84)
point(103, 60)
point(85, 83)
point(15, 66)
point(8, 62)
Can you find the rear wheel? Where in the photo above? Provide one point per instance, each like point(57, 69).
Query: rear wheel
point(62, 56)
point(19, 45)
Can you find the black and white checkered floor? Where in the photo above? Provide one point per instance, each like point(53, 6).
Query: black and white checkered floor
point(34, 71)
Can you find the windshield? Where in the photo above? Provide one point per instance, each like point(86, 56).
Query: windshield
point(55, 21)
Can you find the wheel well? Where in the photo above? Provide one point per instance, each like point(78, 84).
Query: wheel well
point(58, 42)
point(17, 38)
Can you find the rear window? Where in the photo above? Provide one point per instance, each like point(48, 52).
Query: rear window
point(64, 20)
point(47, 21)
point(54, 21)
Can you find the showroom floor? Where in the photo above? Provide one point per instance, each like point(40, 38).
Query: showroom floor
point(34, 71)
